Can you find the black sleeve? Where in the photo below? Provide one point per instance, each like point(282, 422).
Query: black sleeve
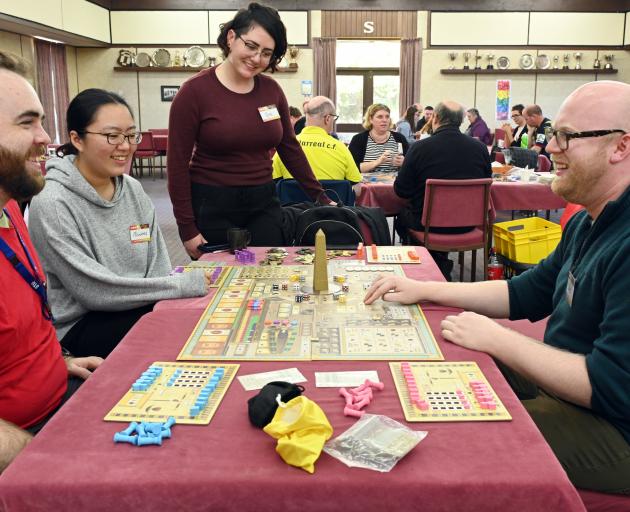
point(403, 140)
point(357, 149)
point(407, 182)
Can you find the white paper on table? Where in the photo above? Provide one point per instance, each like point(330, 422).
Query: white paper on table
point(258, 380)
point(342, 379)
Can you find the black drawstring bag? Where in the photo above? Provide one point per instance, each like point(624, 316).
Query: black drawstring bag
point(262, 407)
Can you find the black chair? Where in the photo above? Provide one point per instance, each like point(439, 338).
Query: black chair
point(289, 191)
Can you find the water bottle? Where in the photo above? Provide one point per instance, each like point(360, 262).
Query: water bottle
point(495, 269)
point(524, 141)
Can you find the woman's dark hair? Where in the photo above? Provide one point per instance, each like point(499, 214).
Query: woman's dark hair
point(82, 111)
point(519, 108)
point(410, 116)
point(265, 17)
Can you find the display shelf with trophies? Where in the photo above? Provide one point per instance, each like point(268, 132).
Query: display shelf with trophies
point(528, 65)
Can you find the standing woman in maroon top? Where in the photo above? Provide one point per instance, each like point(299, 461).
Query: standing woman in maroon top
point(223, 122)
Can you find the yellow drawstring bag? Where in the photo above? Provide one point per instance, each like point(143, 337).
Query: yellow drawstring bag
point(301, 428)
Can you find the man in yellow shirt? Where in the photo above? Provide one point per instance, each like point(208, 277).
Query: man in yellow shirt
point(329, 158)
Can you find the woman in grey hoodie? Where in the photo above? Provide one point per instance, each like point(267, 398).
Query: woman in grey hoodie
point(96, 231)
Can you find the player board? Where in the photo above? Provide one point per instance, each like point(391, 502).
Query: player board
point(264, 314)
point(398, 254)
point(217, 271)
point(190, 392)
point(456, 391)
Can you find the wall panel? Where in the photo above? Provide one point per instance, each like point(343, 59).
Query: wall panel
point(576, 29)
point(46, 12)
point(478, 28)
point(159, 27)
point(86, 19)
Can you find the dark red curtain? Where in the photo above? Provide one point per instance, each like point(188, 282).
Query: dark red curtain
point(52, 84)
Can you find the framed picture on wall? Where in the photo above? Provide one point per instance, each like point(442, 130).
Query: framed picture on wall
point(168, 92)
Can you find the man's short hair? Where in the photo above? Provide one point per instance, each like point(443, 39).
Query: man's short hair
point(473, 111)
point(295, 112)
point(14, 63)
point(428, 107)
point(324, 108)
point(445, 115)
point(533, 110)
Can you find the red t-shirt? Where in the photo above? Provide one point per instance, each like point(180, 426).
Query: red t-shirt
point(33, 375)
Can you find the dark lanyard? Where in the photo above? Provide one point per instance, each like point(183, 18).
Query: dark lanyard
point(32, 279)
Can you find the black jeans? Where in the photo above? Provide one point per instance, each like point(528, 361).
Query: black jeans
point(98, 332)
point(254, 208)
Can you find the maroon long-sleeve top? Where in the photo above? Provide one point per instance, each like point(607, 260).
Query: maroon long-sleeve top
point(218, 137)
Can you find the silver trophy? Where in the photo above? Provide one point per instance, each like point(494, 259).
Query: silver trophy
point(452, 56)
point(578, 57)
point(609, 60)
point(597, 63)
point(466, 57)
point(490, 58)
point(556, 59)
point(478, 61)
point(565, 59)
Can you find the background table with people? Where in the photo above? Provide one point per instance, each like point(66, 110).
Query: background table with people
point(229, 464)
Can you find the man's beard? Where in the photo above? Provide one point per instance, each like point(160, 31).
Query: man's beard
point(16, 180)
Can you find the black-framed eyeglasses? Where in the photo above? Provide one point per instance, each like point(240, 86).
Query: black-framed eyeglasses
point(563, 137)
point(255, 49)
point(335, 117)
point(116, 139)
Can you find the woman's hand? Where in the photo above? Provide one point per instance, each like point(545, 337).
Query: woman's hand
point(398, 160)
point(192, 246)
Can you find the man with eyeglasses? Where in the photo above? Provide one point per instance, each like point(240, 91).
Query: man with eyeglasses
point(537, 123)
point(575, 382)
point(329, 158)
point(34, 377)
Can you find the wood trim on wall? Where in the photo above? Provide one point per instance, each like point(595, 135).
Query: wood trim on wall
point(360, 5)
point(369, 24)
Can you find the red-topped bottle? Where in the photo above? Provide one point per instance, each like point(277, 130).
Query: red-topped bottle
point(495, 268)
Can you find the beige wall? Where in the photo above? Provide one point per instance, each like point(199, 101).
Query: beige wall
point(479, 90)
point(142, 89)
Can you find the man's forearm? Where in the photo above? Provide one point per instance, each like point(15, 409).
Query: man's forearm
point(488, 298)
point(13, 439)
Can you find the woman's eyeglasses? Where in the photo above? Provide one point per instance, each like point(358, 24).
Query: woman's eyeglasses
point(115, 139)
point(254, 49)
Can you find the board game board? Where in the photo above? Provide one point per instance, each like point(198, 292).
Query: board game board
point(398, 254)
point(190, 392)
point(456, 391)
point(263, 313)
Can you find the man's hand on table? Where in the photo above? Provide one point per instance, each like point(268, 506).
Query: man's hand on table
point(82, 366)
point(473, 331)
point(192, 246)
point(394, 289)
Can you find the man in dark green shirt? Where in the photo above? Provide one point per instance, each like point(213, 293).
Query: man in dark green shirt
point(576, 382)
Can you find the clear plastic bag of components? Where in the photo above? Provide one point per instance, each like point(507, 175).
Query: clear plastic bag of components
point(374, 442)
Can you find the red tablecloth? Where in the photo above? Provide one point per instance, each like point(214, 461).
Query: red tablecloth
point(505, 196)
point(514, 195)
point(73, 463)
point(160, 142)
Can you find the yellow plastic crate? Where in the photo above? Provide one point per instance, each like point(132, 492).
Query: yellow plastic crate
point(526, 240)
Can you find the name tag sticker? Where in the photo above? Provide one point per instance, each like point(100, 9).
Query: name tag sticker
point(541, 137)
point(139, 233)
point(570, 288)
point(269, 113)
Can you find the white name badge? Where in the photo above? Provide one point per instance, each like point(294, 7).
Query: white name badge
point(269, 113)
point(541, 137)
point(139, 233)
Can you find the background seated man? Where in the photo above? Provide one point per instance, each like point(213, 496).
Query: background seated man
point(447, 154)
point(34, 377)
point(329, 158)
point(537, 124)
point(575, 382)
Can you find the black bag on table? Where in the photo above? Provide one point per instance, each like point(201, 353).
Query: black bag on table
point(262, 407)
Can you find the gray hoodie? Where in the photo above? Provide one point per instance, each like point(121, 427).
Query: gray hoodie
point(85, 245)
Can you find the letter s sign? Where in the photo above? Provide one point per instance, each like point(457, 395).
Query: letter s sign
point(368, 27)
